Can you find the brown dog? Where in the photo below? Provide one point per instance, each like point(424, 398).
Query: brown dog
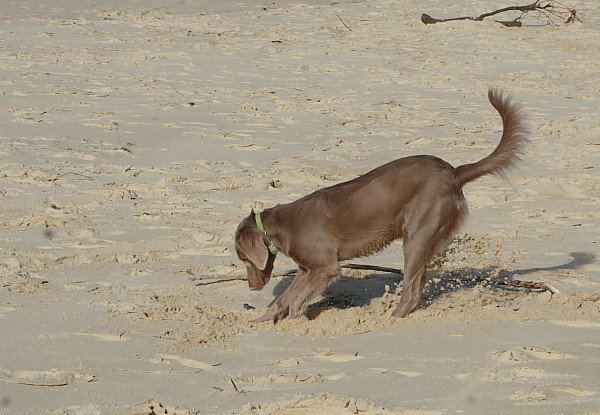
point(417, 198)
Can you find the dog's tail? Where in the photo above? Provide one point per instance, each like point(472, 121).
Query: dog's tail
point(507, 155)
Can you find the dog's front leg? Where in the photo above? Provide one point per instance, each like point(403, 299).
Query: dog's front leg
point(280, 308)
point(317, 279)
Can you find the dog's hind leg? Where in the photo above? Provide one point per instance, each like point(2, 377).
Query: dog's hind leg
point(419, 248)
point(414, 279)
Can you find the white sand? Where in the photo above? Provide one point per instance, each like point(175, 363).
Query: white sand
point(136, 134)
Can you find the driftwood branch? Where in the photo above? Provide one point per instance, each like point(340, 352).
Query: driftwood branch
point(548, 8)
point(515, 283)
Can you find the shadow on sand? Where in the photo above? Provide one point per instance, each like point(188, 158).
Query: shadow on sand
point(351, 292)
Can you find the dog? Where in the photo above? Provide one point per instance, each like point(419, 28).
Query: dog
point(418, 199)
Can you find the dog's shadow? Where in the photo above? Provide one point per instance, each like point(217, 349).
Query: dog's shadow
point(349, 292)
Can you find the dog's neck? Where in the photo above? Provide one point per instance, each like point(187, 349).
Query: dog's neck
point(261, 227)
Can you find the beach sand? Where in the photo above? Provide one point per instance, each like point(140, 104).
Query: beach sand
point(136, 135)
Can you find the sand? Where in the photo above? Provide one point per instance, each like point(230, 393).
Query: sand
point(136, 135)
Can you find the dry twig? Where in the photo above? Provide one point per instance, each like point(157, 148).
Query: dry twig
point(344, 23)
point(234, 386)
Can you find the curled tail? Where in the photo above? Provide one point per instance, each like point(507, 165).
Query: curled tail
point(507, 155)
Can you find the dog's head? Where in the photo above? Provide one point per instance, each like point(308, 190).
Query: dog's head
point(251, 248)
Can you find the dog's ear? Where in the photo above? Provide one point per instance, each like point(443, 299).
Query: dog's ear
point(250, 242)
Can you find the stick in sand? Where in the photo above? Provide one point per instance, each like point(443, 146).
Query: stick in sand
point(344, 23)
point(515, 283)
point(234, 386)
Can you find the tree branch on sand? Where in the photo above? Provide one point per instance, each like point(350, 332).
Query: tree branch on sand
point(550, 9)
point(530, 285)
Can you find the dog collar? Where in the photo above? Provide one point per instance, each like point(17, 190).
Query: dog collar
point(261, 227)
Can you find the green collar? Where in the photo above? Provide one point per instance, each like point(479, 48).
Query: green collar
point(261, 227)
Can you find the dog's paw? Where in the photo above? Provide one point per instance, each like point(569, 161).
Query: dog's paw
point(297, 310)
point(295, 314)
point(402, 310)
point(262, 319)
point(274, 314)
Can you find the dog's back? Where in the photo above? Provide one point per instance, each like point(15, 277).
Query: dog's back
point(366, 214)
